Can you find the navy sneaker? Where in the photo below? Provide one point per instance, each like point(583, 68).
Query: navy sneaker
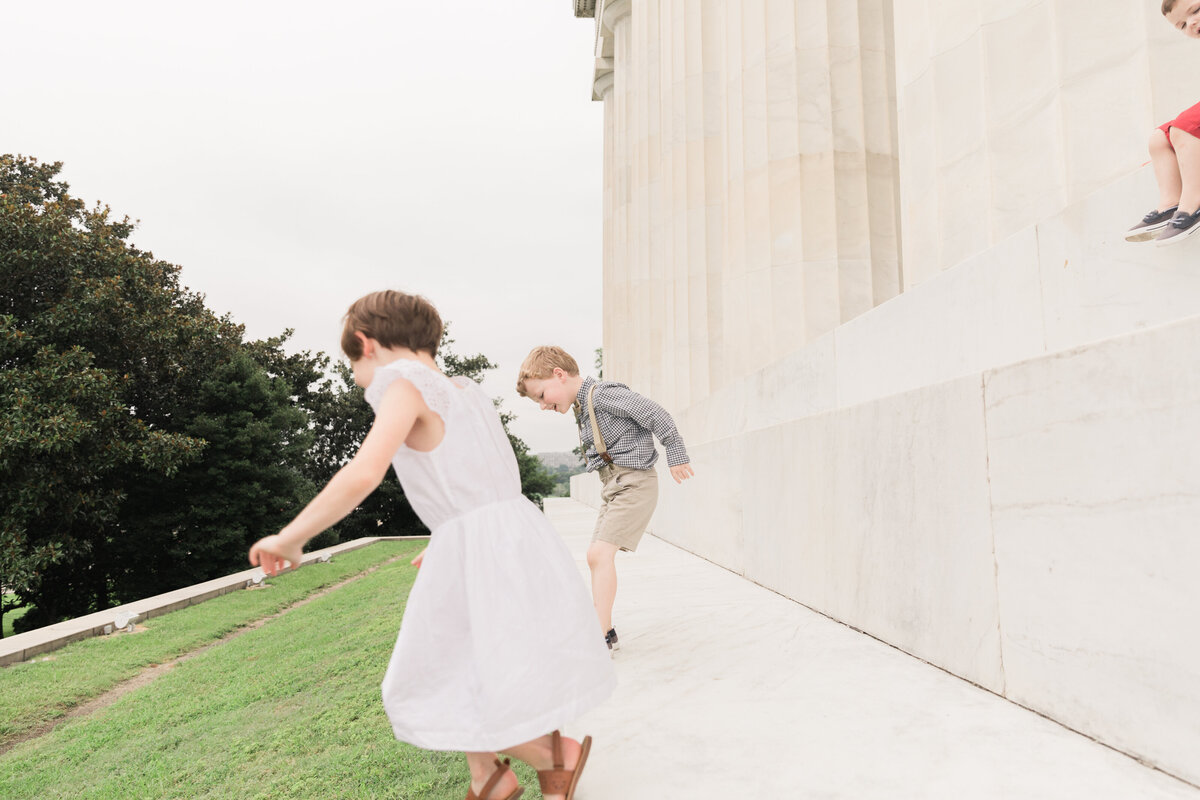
point(1150, 225)
point(610, 639)
point(1182, 226)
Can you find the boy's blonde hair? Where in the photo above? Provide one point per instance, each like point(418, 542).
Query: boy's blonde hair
point(394, 319)
point(541, 363)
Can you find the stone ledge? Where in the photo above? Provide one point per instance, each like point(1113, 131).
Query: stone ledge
point(25, 646)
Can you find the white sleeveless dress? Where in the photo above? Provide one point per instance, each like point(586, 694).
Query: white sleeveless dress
point(499, 643)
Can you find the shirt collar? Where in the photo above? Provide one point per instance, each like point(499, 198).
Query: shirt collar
point(581, 396)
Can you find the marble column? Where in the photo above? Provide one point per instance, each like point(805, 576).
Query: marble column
point(602, 90)
point(754, 196)
point(812, 211)
point(619, 318)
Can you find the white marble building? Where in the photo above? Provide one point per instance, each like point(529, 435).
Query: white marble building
point(869, 254)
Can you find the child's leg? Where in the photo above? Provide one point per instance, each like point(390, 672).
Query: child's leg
point(482, 766)
point(539, 755)
point(1187, 154)
point(601, 559)
point(1166, 170)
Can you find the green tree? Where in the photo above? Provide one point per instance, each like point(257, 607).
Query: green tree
point(66, 438)
point(70, 427)
point(123, 399)
point(197, 524)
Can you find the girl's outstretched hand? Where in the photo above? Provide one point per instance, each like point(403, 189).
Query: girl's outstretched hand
point(274, 554)
point(416, 562)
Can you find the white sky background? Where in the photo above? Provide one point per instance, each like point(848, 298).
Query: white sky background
point(291, 157)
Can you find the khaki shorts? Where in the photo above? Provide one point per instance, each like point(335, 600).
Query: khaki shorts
point(629, 496)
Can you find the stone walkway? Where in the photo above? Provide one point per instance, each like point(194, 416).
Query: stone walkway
point(728, 690)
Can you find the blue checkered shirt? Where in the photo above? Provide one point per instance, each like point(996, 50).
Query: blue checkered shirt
point(628, 422)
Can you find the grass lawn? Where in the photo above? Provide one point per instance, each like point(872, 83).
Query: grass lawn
point(289, 710)
point(48, 687)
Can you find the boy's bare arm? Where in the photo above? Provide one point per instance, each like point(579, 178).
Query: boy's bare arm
point(399, 410)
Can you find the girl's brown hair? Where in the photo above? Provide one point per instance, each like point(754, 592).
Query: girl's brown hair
point(394, 319)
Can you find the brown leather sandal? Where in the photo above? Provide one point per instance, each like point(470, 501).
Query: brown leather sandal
point(501, 768)
point(560, 780)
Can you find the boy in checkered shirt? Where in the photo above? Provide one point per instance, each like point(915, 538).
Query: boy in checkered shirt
point(617, 427)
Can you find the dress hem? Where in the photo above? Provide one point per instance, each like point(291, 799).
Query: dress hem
point(460, 742)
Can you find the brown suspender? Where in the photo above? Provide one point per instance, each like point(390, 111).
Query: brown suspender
point(598, 440)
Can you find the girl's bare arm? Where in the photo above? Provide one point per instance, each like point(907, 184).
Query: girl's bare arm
point(400, 408)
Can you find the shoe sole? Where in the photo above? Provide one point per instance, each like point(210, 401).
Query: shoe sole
point(1144, 235)
point(1147, 233)
point(1178, 238)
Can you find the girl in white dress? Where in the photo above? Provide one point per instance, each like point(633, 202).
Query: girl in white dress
point(497, 649)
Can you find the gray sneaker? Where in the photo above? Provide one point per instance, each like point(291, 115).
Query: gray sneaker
point(1150, 225)
point(610, 639)
point(1182, 226)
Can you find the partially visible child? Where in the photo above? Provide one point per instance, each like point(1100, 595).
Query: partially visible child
point(1175, 154)
point(617, 427)
point(496, 649)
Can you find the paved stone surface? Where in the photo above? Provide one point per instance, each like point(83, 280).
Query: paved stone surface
point(728, 690)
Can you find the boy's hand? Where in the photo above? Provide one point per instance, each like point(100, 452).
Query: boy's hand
point(274, 554)
point(681, 472)
point(416, 562)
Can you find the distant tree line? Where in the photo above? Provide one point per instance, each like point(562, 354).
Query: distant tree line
point(561, 475)
point(144, 441)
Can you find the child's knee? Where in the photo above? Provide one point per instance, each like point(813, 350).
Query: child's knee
point(599, 555)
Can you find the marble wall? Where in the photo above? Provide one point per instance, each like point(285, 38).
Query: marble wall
point(1063, 283)
point(1095, 493)
point(869, 253)
point(994, 471)
point(1011, 110)
point(1030, 529)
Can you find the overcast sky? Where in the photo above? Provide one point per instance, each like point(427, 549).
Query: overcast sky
point(291, 157)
